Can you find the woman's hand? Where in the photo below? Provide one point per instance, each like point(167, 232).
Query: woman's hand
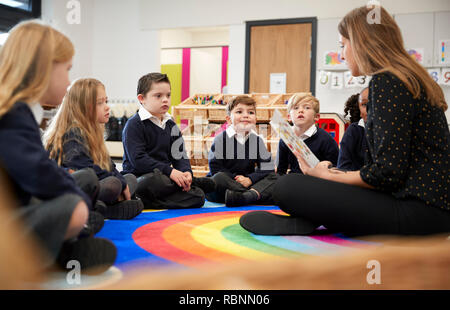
point(322, 170)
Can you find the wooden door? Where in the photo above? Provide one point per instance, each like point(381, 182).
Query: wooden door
point(281, 48)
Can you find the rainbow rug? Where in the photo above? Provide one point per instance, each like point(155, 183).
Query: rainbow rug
point(212, 234)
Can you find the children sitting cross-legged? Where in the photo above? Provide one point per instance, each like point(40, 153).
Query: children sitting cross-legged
point(154, 151)
point(75, 140)
point(239, 162)
point(303, 112)
point(54, 206)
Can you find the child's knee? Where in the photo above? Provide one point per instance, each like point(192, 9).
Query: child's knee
point(221, 179)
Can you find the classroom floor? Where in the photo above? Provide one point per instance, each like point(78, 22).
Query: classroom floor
point(195, 238)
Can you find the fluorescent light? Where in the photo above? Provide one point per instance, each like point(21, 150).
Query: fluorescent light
point(3, 37)
point(11, 3)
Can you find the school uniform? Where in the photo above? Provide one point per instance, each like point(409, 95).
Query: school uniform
point(232, 155)
point(76, 156)
point(353, 147)
point(152, 149)
point(33, 175)
point(323, 146)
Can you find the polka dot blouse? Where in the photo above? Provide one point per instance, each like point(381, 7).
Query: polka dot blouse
point(408, 144)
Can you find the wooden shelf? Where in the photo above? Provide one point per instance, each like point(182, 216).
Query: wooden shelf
point(115, 148)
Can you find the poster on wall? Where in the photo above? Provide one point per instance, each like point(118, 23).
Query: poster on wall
point(444, 52)
point(332, 59)
point(363, 81)
point(445, 76)
point(349, 80)
point(278, 83)
point(435, 74)
point(337, 80)
point(417, 54)
point(324, 77)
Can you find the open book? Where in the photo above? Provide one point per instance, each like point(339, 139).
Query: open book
point(295, 144)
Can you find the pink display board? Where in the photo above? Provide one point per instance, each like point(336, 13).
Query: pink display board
point(185, 74)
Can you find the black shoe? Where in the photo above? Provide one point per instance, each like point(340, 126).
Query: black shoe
point(95, 255)
point(237, 199)
point(124, 210)
point(266, 223)
point(206, 184)
point(93, 226)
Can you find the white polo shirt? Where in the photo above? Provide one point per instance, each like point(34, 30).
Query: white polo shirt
point(145, 114)
point(239, 138)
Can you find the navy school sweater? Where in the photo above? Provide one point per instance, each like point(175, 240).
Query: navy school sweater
point(353, 148)
point(251, 160)
point(148, 147)
point(76, 156)
point(321, 144)
point(27, 163)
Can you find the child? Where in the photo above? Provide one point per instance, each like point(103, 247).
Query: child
point(34, 71)
point(75, 139)
point(353, 144)
point(303, 112)
point(154, 151)
point(239, 162)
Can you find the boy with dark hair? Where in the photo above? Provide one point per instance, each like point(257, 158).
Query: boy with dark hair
point(239, 162)
point(154, 151)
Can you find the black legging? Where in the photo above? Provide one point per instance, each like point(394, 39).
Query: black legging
point(355, 210)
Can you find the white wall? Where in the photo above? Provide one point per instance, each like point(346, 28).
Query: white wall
point(122, 53)
point(109, 43)
point(55, 13)
point(118, 40)
point(205, 13)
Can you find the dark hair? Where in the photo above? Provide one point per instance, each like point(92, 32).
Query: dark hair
point(145, 83)
point(243, 99)
point(352, 107)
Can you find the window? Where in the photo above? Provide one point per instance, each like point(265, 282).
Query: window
point(25, 5)
point(15, 11)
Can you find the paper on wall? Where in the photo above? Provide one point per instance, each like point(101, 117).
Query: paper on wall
point(444, 52)
point(295, 144)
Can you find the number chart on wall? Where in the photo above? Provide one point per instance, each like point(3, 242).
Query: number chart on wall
point(340, 80)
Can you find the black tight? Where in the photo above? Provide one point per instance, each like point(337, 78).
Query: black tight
point(356, 211)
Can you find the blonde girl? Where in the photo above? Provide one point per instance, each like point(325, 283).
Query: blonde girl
point(75, 140)
point(404, 186)
point(34, 72)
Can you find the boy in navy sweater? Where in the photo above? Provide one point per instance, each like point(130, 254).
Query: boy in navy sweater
point(154, 151)
point(239, 162)
point(303, 112)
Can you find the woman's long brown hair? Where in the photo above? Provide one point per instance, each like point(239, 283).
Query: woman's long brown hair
point(378, 47)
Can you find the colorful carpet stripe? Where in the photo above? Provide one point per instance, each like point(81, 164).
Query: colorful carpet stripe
point(196, 237)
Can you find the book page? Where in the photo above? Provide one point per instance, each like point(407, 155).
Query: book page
point(295, 144)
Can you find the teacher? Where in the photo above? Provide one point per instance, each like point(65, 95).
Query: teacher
point(403, 187)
